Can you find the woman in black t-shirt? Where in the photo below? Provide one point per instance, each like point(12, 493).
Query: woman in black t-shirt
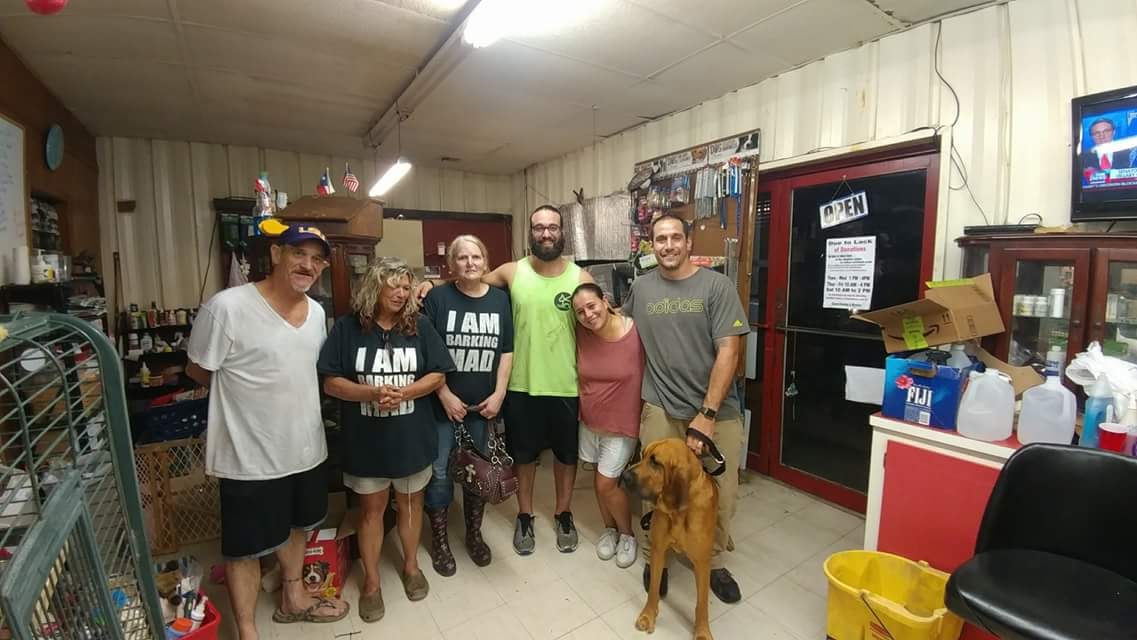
point(476, 322)
point(384, 363)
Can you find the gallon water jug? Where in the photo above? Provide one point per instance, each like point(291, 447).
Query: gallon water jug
point(1048, 412)
point(987, 411)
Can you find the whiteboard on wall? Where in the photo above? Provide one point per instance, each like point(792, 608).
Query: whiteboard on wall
point(13, 194)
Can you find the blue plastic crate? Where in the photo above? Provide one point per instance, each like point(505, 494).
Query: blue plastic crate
point(172, 422)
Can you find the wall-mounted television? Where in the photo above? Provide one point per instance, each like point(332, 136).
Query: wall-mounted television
point(1104, 147)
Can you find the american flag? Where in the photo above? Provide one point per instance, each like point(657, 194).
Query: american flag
point(350, 182)
point(324, 187)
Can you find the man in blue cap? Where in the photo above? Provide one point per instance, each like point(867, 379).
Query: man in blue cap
point(256, 347)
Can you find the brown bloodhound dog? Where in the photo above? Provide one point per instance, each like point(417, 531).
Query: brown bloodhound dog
point(686, 505)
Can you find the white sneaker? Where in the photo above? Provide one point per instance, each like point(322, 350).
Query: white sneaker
point(626, 551)
point(606, 545)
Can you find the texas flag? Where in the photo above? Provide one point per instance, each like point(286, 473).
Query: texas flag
point(324, 187)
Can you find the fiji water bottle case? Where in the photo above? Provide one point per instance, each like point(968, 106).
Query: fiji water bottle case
point(922, 392)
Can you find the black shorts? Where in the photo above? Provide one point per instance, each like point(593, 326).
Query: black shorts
point(536, 423)
point(257, 516)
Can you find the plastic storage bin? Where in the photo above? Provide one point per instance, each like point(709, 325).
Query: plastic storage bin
point(186, 419)
point(210, 627)
point(880, 596)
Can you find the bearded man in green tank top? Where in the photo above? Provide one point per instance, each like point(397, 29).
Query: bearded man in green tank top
point(542, 404)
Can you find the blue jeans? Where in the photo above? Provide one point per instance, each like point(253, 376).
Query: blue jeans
point(440, 492)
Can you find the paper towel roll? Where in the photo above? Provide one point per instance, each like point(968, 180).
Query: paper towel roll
point(21, 266)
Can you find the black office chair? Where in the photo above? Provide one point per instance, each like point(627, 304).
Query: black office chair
point(1056, 557)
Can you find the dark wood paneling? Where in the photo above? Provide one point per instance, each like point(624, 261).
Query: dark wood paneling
point(28, 101)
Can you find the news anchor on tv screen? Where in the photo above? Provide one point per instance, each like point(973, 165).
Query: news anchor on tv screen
point(1102, 130)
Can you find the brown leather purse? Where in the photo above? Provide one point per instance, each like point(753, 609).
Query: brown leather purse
point(489, 478)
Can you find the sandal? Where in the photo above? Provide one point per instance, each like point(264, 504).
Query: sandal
point(310, 614)
point(416, 586)
point(371, 607)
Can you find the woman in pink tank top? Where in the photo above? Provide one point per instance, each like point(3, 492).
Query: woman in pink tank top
point(610, 368)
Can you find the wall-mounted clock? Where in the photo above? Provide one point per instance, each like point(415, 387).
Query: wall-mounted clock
point(53, 150)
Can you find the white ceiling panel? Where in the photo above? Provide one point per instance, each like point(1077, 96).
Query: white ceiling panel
point(313, 76)
point(814, 28)
point(918, 10)
point(615, 38)
point(266, 102)
point(355, 77)
point(518, 69)
point(384, 32)
point(116, 8)
point(717, 17)
point(88, 37)
point(720, 69)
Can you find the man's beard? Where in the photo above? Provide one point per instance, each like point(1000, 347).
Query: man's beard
point(547, 253)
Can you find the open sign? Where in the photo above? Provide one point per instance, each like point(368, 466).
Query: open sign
point(851, 207)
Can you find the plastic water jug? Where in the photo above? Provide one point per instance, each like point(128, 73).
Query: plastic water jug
point(1048, 412)
point(959, 358)
point(987, 411)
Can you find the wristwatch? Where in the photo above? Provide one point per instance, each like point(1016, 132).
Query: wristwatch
point(708, 412)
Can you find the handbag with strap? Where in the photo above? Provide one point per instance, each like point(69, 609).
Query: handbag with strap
point(491, 478)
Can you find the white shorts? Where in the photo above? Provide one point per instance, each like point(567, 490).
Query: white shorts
point(411, 484)
point(610, 453)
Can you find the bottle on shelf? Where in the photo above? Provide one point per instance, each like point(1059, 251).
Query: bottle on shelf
point(1048, 412)
point(1099, 402)
point(144, 375)
point(152, 315)
point(987, 411)
point(146, 343)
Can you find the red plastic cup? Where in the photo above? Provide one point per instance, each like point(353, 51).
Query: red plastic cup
point(1111, 436)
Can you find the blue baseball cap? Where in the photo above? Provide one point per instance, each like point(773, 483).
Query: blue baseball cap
point(298, 233)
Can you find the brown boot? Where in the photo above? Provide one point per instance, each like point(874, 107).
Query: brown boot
point(472, 508)
point(440, 555)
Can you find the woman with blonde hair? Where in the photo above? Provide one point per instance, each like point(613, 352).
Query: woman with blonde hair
point(476, 322)
point(384, 362)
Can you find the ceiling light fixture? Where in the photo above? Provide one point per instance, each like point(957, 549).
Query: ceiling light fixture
point(396, 171)
point(493, 20)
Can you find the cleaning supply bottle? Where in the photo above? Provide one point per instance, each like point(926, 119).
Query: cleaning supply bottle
point(987, 411)
point(1130, 420)
point(144, 375)
point(959, 358)
point(1048, 413)
point(1099, 399)
point(197, 616)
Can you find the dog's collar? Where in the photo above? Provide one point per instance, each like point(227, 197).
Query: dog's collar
point(710, 450)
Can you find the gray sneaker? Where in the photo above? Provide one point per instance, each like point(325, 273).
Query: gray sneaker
point(566, 532)
point(523, 539)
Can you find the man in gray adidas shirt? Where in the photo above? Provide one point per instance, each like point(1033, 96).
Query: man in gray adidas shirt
point(691, 322)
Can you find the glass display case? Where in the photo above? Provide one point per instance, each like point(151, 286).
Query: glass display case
point(1058, 293)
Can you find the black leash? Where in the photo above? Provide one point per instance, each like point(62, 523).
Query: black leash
point(710, 450)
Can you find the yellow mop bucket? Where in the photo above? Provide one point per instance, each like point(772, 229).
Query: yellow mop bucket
point(880, 596)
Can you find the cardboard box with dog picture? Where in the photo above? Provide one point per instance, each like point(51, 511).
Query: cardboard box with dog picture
point(327, 557)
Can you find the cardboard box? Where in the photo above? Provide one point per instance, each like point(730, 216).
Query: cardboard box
point(955, 311)
point(338, 216)
point(922, 392)
point(327, 556)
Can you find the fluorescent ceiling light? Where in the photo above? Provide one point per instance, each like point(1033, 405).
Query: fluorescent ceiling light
point(492, 20)
point(391, 178)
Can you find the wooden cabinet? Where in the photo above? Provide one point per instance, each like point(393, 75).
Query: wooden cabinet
point(1059, 292)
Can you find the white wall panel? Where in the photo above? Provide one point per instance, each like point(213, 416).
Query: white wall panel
point(165, 244)
point(1014, 67)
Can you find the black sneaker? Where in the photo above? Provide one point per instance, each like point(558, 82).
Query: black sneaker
point(662, 582)
point(567, 539)
point(523, 539)
point(724, 586)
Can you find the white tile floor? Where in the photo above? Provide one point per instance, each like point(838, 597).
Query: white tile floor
point(782, 536)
